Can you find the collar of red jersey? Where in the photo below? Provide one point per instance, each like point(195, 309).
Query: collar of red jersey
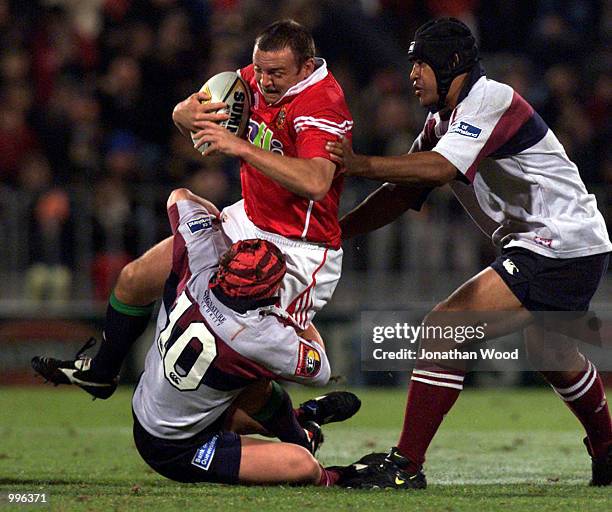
point(319, 74)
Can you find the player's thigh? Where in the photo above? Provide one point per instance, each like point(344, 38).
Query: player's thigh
point(210, 456)
point(484, 299)
point(142, 280)
point(268, 462)
point(252, 398)
point(312, 276)
point(486, 291)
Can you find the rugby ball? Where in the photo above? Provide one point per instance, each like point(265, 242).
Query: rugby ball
point(229, 88)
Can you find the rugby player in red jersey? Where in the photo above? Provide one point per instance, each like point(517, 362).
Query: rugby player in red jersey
point(290, 185)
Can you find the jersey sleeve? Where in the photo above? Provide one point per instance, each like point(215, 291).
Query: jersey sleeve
point(287, 355)
point(198, 240)
point(481, 127)
point(318, 122)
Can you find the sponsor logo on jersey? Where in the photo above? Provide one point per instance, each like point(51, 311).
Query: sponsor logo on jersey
point(510, 267)
point(204, 455)
point(213, 311)
point(199, 224)
point(466, 129)
point(262, 137)
point(546, 242)
point(309, 361)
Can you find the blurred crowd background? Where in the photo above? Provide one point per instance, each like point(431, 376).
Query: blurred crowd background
point(88, 151)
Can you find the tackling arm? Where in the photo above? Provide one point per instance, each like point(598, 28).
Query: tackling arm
point(427, 168)
point(423, 168)
point(381, 207)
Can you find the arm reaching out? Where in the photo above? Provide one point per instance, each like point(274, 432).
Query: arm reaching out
point(423, 168)
point(382, 207)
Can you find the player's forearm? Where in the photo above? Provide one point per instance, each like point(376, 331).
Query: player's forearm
point(184, 131)
point(311, 333)
point(381, 207)
point(180, 121)
point(186, 194)
point(304, 177)
point(425, 169)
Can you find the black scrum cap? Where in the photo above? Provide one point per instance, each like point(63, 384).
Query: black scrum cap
point(448, 46)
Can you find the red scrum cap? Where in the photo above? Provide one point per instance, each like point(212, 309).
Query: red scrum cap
point(250, 269)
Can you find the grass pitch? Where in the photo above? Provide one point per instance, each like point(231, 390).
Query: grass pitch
point(497, 450)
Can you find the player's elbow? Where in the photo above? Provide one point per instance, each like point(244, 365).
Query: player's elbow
point(442, 175)
point(176, 115)
point(320, 175)
point(446, 175)
point(317, 190)
point(178, 195)
point(442, 171)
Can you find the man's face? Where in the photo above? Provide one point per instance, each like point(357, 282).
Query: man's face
point(424, 83)
point(277, 71)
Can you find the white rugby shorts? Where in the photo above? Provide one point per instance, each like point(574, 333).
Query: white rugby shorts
point(313, 271)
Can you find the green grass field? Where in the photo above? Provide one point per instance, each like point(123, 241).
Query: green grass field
point(497, 450)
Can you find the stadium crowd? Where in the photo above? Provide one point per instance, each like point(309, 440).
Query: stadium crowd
point(88, 87)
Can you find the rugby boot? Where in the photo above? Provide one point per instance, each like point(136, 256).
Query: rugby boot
point(314, 436)
point(76, 371)
point(391, 473)
point(329, 408)
point(601, 467)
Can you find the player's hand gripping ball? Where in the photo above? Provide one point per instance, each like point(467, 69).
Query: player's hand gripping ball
point(229, 88)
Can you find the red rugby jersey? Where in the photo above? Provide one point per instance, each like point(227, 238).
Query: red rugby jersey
point(310, 113)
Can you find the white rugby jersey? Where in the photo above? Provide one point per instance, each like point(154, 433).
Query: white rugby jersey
point(205, 353)
point(521, 176)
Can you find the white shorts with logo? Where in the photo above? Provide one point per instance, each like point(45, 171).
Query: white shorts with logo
point(313, 271)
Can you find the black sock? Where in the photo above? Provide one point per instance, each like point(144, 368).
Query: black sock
point(124, 325)
point(278, 417)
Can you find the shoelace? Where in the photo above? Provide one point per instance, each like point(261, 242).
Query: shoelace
point(91, 342)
